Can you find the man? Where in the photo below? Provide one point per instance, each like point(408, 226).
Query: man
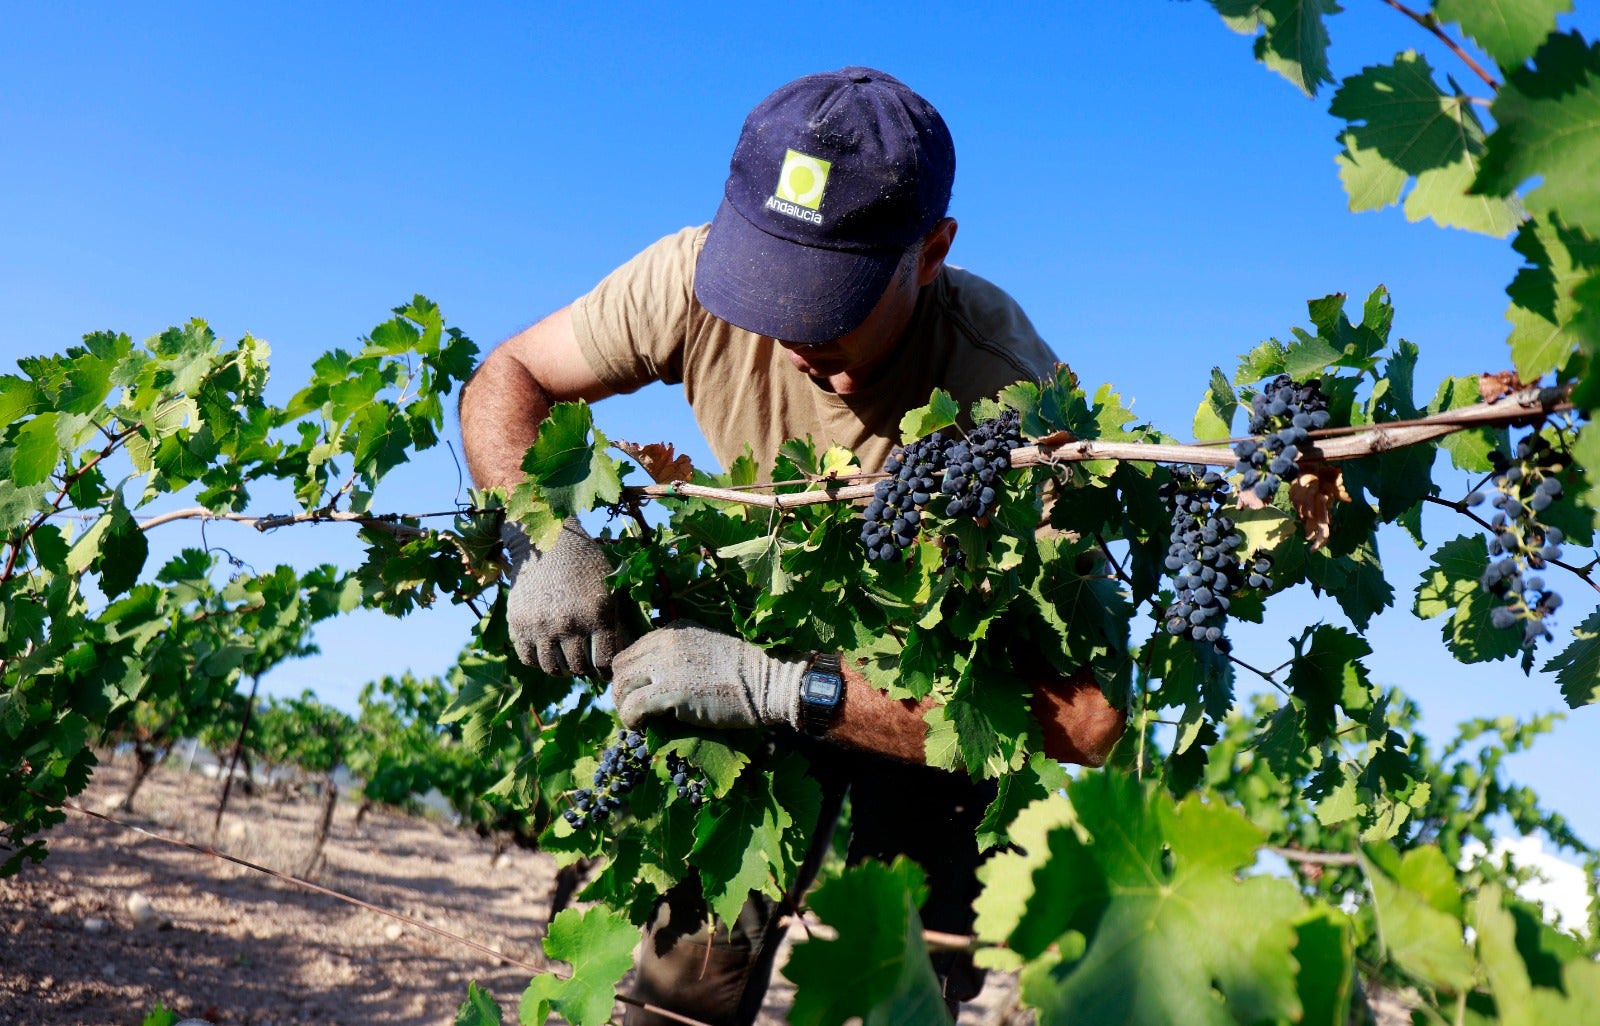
point(817, 302)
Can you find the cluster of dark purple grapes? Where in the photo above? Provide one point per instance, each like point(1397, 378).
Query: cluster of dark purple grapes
point(621, 767)
point(890, 521)
point(688, 780)
point(1201, 555)
point(971, 466)
point(1524, 487)
point(1286, 413)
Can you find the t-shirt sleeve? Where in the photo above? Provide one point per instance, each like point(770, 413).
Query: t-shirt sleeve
point(634, 325)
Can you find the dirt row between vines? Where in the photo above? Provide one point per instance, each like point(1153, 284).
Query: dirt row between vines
point(241, 949)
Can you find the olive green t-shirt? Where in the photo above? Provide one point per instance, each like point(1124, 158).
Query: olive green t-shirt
point(643, 324)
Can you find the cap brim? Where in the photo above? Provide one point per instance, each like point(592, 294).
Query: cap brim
point(794, 293)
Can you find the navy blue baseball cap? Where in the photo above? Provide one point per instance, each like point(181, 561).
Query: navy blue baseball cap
point(835, 176)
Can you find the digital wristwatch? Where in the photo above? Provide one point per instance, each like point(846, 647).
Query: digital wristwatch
point(821, 690)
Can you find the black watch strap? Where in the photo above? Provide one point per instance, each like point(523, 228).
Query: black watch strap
point(817, 710)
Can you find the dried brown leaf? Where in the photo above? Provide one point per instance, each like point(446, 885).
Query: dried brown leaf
point(1493, 386)
point(1247, 499)
point(1056, 439)
point(1312, 495)
point(658, 460)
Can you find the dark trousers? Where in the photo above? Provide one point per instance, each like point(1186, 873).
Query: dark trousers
point(929, 815)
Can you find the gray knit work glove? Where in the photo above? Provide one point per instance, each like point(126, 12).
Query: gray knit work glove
point(560, 614)
point(706, 678)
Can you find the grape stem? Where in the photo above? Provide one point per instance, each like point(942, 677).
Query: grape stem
point(1582, 573)
point(1264, 675)
point(1430, 22)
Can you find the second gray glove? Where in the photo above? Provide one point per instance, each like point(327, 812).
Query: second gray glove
point(560, 612)
point(707, 678)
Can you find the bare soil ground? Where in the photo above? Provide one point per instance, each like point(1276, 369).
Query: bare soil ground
point(241, 949)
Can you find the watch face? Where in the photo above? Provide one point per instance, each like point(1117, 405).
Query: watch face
point(822, 688)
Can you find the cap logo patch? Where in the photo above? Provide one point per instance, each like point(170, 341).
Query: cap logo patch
point(801, 182)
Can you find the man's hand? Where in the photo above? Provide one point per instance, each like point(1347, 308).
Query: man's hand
point(560, 614)
point(706, 678)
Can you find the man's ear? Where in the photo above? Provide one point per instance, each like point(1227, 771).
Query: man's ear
point(935, 247)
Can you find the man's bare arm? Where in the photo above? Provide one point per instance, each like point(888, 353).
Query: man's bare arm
point(512, 391)
point(1077, 723)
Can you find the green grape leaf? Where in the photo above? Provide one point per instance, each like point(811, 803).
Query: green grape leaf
point(1319, 672)
point(1507, 30)
point(1450, 585)
point(1007, 879)
point(1062, 406)
point(1547, 120)
point(1586, 451)
point(1544, 308)
point(90, 374)
point(598, 944)
point(877, 968)
point(37, 451)
point(123, 548)
point(1309, 356)
point(1519, 1000)
point(394, 337)
point(571, 472)
point(1355, 581)
point(1017, 791)
point(1293, 40)
point(1089, 613)
point(1398, 479)
point(738, 846)
point(1214, 419)
point(762, 560)
point(719, 763)
point(382, 440)
point(940, 412)
point(992, 724)
point(1422, 937)
point(1169, 875)
point(19, 398)
point(479, 1009)
point(1265, 361)
point(1577, 667)
point(1325, 949)
point(1404, 127)
point(1469, 450)
point(941, 749)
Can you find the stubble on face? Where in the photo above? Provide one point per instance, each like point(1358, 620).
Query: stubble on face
point(848, 363)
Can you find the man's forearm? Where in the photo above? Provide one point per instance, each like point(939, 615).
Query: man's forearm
point(869, 719)
point(1077, 724)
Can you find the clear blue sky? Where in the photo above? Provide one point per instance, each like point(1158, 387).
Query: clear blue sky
point(1156, 200)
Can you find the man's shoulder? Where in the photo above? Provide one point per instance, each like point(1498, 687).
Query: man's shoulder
point(991, 336)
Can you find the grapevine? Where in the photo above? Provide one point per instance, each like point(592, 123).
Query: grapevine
point(92, 639)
